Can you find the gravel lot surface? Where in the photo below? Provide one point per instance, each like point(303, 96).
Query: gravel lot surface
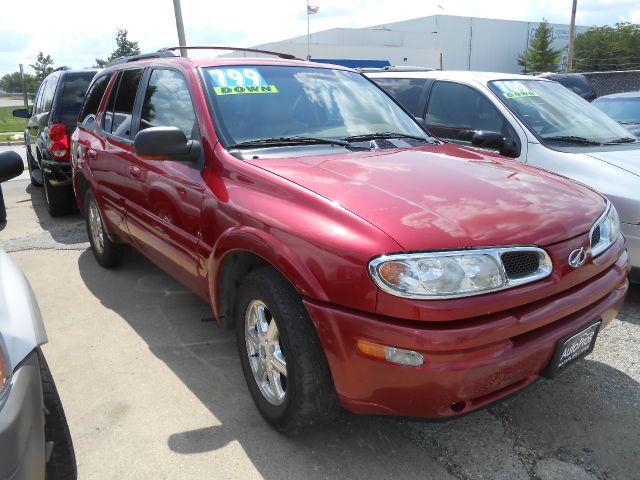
point(153, 389)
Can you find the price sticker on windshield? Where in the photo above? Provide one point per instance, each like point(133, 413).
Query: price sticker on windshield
point(233, 81)
point(514, 89)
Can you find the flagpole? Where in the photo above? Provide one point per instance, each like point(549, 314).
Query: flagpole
point(308, 50)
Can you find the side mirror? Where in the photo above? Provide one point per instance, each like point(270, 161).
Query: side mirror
point(22, 113)
point(166, 142)
point(495, 141)
point(486, 139)
point(11, 165)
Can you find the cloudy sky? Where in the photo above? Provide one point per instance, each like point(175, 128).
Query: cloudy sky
point(75, 32)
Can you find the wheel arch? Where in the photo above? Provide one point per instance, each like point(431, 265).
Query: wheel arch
point(243, 250)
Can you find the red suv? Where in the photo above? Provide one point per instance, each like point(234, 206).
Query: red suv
point(361, 262)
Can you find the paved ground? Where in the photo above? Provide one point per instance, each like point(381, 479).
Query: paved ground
point(153, 389)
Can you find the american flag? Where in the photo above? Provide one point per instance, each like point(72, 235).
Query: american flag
point(312, 10)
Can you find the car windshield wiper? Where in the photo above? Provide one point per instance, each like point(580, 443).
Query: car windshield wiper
point(571, 139)
point(295, 140)
point(622, 140)
point(375, 136)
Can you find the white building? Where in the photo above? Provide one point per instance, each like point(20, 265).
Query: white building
point(450, 42)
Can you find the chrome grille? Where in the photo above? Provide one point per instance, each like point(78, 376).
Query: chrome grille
point(520, 264)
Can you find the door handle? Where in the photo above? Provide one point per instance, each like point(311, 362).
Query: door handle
point(134, 171)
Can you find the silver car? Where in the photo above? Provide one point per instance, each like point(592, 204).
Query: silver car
point(35, 442)
point(536, 122)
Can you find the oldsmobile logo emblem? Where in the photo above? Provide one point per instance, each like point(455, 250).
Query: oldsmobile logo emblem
point(577, 257)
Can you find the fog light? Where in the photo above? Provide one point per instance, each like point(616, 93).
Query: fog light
point(390, 354)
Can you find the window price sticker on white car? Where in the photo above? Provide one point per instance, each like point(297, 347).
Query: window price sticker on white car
point(572, 347)
point(234, 81)
point(514, 89)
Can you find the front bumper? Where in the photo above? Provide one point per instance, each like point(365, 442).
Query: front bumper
point(468, 363)
point(22, 445)
point(58, 173)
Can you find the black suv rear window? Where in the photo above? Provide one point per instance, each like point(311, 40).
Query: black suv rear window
point(74, 87)
point(92, 101)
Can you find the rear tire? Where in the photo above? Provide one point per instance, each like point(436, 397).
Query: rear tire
point(62, 462)
point(284, 365)
point(107, 253)
point(59, 199)
point(32, 165)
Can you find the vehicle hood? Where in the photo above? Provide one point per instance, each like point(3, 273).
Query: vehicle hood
point(446, 196)
point(628, 160)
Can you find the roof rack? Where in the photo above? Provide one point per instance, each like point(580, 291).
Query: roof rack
point(286, 56)
point(396, 68)
point(64, 68)
point(142, 56)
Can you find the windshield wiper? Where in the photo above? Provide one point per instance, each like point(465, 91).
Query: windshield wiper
point(375, 136)
point(571, 139)
point(622, 140)
point(295, 140)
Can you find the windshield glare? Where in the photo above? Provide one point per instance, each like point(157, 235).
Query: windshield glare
point(260, 102)
point(550, 110)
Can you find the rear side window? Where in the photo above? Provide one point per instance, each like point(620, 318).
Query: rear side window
point(39, 101)
point(119, 113)
point(49, 91)
point(167, 103)
point(406, 91)
point(92, 101)
point(74, 87)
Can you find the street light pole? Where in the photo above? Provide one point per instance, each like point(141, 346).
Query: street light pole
point(572, 36)
point(180, 26)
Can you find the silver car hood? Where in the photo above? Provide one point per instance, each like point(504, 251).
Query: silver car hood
point(628, 160)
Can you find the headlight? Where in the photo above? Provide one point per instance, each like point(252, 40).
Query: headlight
point(605, 231)
point(452, 274)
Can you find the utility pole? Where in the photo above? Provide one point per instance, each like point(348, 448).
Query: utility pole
point(180, 26)
point(572, 36)
point(23, 86)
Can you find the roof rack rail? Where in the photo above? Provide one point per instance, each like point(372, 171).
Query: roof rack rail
point(286, 56)
point(62, 69)
point(142, 56)
point(396, 68)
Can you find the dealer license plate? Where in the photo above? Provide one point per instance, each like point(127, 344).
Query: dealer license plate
point(573, 347)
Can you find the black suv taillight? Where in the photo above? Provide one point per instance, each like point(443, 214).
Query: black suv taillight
point(59, 145)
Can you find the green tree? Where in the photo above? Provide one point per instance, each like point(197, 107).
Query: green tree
point(540, 57)
point(124, 48)
point(608, 48)
point(10, 83)
point(43, 66)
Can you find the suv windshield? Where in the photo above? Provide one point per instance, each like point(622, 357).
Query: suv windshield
point(558, 116)
point(306, 104)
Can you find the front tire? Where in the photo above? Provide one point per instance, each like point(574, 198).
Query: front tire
point(282, 359)
point(61, 464)
point(106, 252)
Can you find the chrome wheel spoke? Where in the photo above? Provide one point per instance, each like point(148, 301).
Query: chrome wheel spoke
point(278, 362)
point(272, 332)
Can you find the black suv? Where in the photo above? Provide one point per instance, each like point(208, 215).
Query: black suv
point(52, 120)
